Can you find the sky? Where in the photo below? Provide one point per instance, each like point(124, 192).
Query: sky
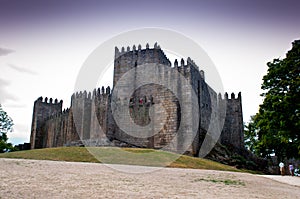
point(43, 44)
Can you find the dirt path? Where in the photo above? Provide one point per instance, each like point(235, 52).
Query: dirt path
point(50, 179)
point(291, 180)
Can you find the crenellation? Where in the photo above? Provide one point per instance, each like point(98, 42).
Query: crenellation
point(220, 97)
point(84, 94)
point(232, 96)
point(202, 74)
point(226, 96)
point(40, 100)
point(94, 95)
point(175, 63)
point(182, 63)
point(191, 63)
point(117, 51)
point(52, 126)
point(107, 90)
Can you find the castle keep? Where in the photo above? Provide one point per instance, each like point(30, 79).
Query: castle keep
point(90, 120)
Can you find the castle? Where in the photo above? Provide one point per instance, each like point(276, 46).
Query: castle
point(90, 120)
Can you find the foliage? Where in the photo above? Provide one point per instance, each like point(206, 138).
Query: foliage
point(225, 181)
point(275, 128)
point(251, 136)
point(6, 124)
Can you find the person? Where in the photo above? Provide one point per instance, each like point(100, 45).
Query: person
point(281, 166)
point(291, 169)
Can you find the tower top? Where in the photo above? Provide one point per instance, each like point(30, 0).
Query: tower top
point(133, 48)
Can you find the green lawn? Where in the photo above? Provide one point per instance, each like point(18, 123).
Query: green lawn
point(114, 155)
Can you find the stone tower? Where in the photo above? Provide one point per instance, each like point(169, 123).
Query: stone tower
point(42, 110)
point(127, 60)
point(233, 130)
point(89, 120)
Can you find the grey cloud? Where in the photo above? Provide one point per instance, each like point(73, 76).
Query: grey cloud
point(21, 69)
point(15, 105)
point(4, 94)
point(5, 51)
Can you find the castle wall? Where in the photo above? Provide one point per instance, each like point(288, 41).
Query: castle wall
point(127, 60)
point(42, 110)
point(90, 121)
point(59, 130)
point(232, 133)
point(170, 104)
point(99, 124)
point(144, 99)
point(81, 107)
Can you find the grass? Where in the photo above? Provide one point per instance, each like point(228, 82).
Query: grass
point(71, 154)
point(114, 155)
point(225, 181)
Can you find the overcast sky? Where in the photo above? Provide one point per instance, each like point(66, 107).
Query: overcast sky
point(43, 44)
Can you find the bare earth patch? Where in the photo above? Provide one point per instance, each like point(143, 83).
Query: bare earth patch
point(52, 179)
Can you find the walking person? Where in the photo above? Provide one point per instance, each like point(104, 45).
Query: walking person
point(291, 169)
point(281, 166)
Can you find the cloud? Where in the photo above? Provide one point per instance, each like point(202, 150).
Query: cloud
point(5, 51)
point(22, 70)
point(15, 105)
point(4, 95)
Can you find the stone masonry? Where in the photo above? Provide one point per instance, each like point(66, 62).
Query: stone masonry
point(89, 120)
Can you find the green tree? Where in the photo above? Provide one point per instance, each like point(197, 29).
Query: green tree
point(6, 124)
point(251, 136)
point(276, 126)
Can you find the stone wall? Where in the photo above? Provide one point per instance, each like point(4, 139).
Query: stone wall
point(233, 130)
point(60, 130)
point(89, 120)
point(42, 110)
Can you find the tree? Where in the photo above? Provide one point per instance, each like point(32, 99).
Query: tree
point(276, 126)
point(6, 124)
point(251, 136)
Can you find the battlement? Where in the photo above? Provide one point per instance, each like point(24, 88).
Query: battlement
point(134, 48)
point(67, 110)
point(91, 95)
point(192, 63)
point(189, 61)
point(146, 53)
point(45, 101)
point(189, 64)
point(90, 115)
point(232, 97)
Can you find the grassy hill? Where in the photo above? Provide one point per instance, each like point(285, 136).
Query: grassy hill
point(111, 155)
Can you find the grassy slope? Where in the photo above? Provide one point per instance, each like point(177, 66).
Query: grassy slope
point(131, 156)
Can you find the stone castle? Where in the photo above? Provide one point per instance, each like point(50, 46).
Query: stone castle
point(90, 121)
